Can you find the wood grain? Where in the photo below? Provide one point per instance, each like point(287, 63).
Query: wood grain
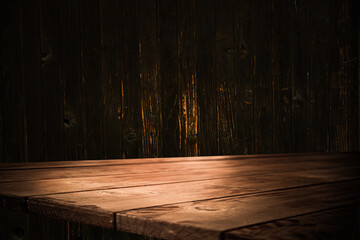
point(102, 203)
point(71, 78)
point(207, 219)
point(338, 223)
point(244, 85)
point(225, 81)
point(215, 167)
point(32, 81)
point(281, 79)
point(150, 81)
point(111, 75)
point(168, 54)
point(261, 70)
point(109, 162)
point(300, 75)
point(205, 73)
point(77, 184)
point(91, 78)
point(13, 135)
point(188, 85)
point(319, 75)
point(131, 104)
point(52, 82)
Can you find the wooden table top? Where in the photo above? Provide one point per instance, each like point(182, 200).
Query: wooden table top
point(287, 196)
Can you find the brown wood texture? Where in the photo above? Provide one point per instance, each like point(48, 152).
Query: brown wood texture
point(207, 219)
point(338, 223)
point(223, 166)
point(110, 162)
point(52, 83)
point(12, 91)
point(188, 199)
point(300, 76)
point(104, 79)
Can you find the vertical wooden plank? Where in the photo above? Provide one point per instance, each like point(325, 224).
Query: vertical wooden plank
point(12, 83)
point(188, 99)
point(130, 91)
point(169, 78)
point(205, 73)
point(261, 25)
point(319, 75)
point(226, 89)
point(1, 116)
point(71, 78)
point(91, 78)
point(356, 9)
point(339, 73)
point(300, 60)
point(243, 82)
point(52, 82)
point(149, 78)
point(281, 82)
point(33, 85)
point(111, 78)
point(352, 65)
point(343, 75)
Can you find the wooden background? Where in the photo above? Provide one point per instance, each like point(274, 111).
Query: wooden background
point(93, 79)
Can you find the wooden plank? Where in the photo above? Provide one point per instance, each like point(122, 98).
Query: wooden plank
point(32, 80)
point(12, 84)
point(205, 73)
point(207, 219)
point(339, 223)
point(52, 82)
point(244, 114)
point(215, 167)
point(169, 78)
point(338, 73)
point(188, 84)
point(261, 76)
point(342, 76)
point(131, 108)
point(300, 74)
point(225, 82)
point(71, 78)
point(108, 162)
point(281, 79)
point(150, 82)
point(91, 78)
point(352, 65)
point(319, 75)
point(111, 78)
point(17, 190)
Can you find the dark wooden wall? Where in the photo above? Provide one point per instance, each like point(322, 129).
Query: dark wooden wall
point(91, 79)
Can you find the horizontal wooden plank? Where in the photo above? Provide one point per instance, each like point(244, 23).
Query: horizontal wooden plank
point(278, 164)
point(339, 223)
point(68, 185)
point(105, 202)
point(111, 162)
point(208, 219)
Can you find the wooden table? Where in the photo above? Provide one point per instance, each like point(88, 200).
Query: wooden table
point(287, 196)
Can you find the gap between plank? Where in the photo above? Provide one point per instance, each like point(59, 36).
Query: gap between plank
point(222, 233)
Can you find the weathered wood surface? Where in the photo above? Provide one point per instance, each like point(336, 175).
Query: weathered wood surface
point(207, 219)
point(213, 167)
point(338, 223)
point(190, 199)
point(108, 79)
point(107, 162)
